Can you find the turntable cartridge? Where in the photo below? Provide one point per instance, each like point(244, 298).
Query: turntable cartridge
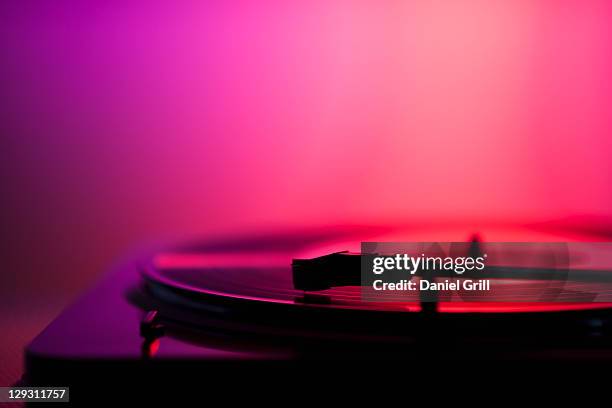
point(328, 271)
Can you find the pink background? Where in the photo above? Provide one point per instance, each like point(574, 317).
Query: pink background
point(124, 122)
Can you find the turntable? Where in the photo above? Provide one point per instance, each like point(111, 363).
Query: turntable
point(231, 306)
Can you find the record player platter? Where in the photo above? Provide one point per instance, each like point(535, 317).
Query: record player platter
point(168, 311)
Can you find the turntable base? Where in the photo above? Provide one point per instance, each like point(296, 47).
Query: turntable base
point(224, 310)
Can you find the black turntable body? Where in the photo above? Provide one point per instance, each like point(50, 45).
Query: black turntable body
point(214, 312)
